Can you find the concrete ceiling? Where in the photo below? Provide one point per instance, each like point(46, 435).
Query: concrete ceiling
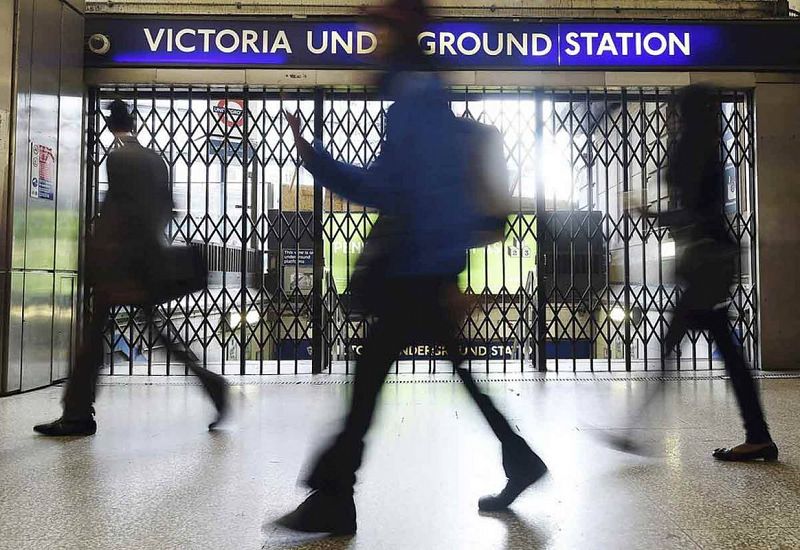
point(498, 8)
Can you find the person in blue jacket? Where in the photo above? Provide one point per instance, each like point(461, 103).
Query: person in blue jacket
point(407, 274)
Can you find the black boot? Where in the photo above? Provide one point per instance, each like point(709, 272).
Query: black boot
point(323, 512)
point(523, 468)
point(334, 468)
point(64, 427)
point(217, 389)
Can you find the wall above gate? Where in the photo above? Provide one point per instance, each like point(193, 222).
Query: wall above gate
point(670, 9)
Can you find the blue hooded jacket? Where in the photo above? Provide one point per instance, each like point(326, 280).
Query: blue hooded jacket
point(418, 178)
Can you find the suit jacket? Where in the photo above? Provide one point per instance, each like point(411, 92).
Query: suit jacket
point(128, 239)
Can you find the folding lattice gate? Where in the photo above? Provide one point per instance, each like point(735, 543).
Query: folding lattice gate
point(581, 282)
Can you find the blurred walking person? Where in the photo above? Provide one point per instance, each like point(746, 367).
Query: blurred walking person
point(407, 274)
point(706, 255)
point(128, 262)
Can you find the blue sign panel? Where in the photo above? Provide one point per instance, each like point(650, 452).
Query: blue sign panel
point(454, 44)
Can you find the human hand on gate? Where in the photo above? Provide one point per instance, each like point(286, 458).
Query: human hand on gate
point(304, 148)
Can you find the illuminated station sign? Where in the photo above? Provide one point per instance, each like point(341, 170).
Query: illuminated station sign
point(453, 44)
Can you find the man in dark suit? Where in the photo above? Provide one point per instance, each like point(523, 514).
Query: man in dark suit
point(124, 263)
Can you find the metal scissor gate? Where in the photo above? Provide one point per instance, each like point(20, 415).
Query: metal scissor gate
point(581, 282)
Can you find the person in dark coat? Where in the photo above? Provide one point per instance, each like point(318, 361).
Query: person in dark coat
point(124, 261)
point(706, 255)
point(417, 249)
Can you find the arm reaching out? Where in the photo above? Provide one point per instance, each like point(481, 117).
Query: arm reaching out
point(370, 186)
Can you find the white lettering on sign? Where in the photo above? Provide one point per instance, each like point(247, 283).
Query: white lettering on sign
point(439, 43)
point(428, 46)
point(153, 42)
point(498, 50)
point(179, 40)
point(206, 33)
point(607, 45)
point(471, 43)
point(513, 42)
point(232, 45)
point(250, 42)
point(475, 351)
point(659, 39)
point(624, 37)
point(310, 43)
point(476, 44)
point(572, 44)
point(541, 50)
point(619, 43)
point(208, 40)
point(359, 42)
point(675, 43)
point(281, 42)
point(373, 42)
point(446, 40)
point(230, 112)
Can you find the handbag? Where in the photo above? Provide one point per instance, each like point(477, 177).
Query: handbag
point(707, 268)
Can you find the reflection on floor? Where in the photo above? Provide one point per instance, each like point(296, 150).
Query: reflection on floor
point(154, 478)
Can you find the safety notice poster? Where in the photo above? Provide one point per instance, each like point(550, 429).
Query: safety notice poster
point(43, 172)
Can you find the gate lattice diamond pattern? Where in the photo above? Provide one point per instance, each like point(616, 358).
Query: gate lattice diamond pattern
point(581, 281)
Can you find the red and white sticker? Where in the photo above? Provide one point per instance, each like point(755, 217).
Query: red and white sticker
point(230, 111)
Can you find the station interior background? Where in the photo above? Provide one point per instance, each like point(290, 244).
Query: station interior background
point(581, 282)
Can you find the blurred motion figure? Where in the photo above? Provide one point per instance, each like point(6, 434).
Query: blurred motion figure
point(706, 254)
point(128, 262)
point(407, 274)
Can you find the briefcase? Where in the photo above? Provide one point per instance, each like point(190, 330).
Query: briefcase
point(180, 271)
point(184, 273)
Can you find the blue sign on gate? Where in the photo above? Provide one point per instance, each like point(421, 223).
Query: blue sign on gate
point(455, 44)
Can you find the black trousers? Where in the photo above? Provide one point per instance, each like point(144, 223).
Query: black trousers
point(744, 387)
point(412, 310)
point(82, 384)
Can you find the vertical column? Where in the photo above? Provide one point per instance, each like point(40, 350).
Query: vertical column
point(626, 231)
point(778, 237)
point(319, 356)
point(245, 304)
point(7, 50)
point(541, 257)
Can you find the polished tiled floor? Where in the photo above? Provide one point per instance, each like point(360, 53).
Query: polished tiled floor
point(154, 478)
